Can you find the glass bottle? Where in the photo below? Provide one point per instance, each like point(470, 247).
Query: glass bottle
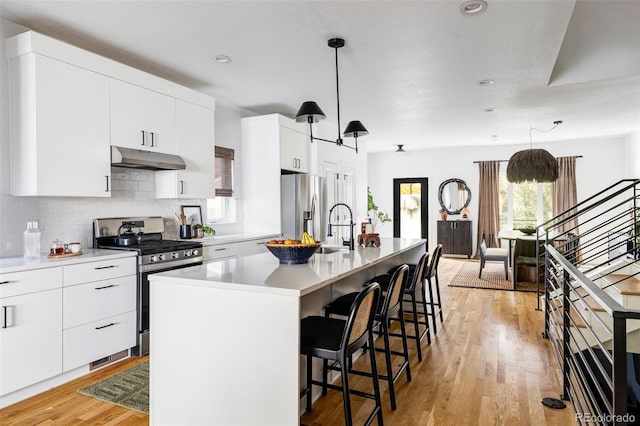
point(31, 240)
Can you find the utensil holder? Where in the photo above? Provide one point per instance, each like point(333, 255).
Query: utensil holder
point(185, 232)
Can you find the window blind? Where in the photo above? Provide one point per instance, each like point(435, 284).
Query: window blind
point(224, 171)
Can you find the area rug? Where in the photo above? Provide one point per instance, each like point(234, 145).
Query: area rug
point(492, 277)
point(129, 388)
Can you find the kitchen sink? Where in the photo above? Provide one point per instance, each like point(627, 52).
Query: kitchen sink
point(329, 250)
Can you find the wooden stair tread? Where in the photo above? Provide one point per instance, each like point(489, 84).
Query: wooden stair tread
point(590, 301)
point(629, 286)
point(559, 314)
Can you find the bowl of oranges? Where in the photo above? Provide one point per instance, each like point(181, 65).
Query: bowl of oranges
point(293, 252)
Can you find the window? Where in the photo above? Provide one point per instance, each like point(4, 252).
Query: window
point(523, 204)
point(222, 208)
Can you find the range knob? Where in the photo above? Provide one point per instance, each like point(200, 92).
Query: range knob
point(196, 252)
point(175, 255)
point(188, 253)
point(152, 258)
point(162, 257)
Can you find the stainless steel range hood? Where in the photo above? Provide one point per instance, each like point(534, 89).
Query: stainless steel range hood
point(147, 160)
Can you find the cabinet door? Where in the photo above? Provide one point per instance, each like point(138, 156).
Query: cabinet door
point(463, 238)
point(445, 237)
point(60, 129)
point(141, 118)
point(30, 339)
point(128, 115)
point(294, 154)
point(196, 141)
point(160, 122)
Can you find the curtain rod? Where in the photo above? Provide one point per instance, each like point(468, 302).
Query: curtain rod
point(506, 161)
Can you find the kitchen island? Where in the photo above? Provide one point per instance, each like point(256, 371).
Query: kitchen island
point(225, 342)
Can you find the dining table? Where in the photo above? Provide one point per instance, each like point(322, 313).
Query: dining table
point(511, 235)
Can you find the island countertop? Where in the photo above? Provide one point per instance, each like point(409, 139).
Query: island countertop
point(263, 272)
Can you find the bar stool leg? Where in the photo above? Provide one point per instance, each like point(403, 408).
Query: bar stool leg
point(405, 346)
point(416, 326)
point(309, 385)
point(426, 315)
point(374, 376)
point(439, 298)
point(387, 358)
point(432, 304)
point(344, 372)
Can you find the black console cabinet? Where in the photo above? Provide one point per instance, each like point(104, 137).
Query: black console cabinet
point(455, 237)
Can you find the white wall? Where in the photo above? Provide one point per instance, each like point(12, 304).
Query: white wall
point(633, 155)
point(603, 163)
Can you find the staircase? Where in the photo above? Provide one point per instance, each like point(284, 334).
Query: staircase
point(592, 302)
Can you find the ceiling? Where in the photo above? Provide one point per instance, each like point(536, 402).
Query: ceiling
point(409, 70)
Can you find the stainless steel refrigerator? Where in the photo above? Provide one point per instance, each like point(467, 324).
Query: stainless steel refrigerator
point(303, 206)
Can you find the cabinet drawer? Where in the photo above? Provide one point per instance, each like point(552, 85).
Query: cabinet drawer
point(98, 271)
point(90, 302)
point(239, 248)
point(90, 342)
point(17, 283)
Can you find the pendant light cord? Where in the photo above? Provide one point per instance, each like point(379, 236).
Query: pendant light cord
point(531, 128)
point(339, 140)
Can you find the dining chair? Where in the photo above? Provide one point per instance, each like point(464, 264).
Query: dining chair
point(497, 254)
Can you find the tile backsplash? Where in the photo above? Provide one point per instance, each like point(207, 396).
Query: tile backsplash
point(71, 219)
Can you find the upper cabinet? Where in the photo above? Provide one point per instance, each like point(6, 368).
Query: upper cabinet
point(68, 106)
point(59, 129)
point(195, 133)
point(294, 150)
point(142, 118)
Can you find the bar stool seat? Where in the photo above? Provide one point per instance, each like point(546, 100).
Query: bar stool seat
point(390, 309)
point(336, 340)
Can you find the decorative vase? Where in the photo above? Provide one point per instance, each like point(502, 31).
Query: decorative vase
point(443, 214)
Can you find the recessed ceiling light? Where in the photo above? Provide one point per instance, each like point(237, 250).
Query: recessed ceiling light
point(400, 149)
point(473, 7)
point(490, 109)
point(221, 59)
point(487, 82)
point(494, 136)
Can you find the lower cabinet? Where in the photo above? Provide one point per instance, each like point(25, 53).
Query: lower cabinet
point(455, 237)
point(31, 339)
point(53, 320)
point(99, 317)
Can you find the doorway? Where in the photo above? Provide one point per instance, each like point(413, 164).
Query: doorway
point(410, 208)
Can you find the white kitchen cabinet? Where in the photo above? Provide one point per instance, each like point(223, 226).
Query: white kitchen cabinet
point(142, 118)
point(262, 163)
point(99, 315)
point(294, 150)
point(195, 138)
point(59, 116)
point(30, 327)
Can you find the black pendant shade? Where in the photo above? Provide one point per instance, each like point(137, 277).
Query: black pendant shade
point(355, 129)
point(532, 165)
point(311, 113)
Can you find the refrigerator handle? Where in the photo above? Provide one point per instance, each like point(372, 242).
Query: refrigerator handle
point(313, 213)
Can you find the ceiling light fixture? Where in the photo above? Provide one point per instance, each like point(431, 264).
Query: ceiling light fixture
point(311, 113)
point(400, 149)
point(473, 7)
point(533, 164)
point(221, 59)
point(490, 109)
point(486, 82)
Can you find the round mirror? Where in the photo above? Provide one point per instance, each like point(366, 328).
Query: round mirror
point(454, 195)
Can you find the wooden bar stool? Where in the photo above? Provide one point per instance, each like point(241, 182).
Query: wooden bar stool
point(389, 310)
point(336, 340)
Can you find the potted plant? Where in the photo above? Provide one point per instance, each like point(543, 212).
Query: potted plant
point(203, 230)
point(378, 218)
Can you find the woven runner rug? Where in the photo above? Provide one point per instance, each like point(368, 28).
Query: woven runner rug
point(129, 388)
point(492, 277)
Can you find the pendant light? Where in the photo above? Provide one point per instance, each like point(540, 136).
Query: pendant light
point(533, 164)
point(311, 113)
point(400, 148)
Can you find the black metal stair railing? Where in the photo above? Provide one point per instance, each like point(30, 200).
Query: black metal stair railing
point(585, 320)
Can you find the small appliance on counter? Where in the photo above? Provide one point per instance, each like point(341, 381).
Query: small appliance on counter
point(155, 254)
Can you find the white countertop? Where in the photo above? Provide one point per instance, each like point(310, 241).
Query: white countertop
point(263, 272)
point(19, 264)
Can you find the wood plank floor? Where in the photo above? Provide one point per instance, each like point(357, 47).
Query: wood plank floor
point(487, 365)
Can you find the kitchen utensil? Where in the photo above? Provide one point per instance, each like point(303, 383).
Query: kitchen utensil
point(185, 232)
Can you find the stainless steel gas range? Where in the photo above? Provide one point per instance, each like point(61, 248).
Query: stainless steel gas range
point(144, 235)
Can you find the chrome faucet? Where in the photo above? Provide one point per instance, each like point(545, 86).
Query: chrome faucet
point(349, 243)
